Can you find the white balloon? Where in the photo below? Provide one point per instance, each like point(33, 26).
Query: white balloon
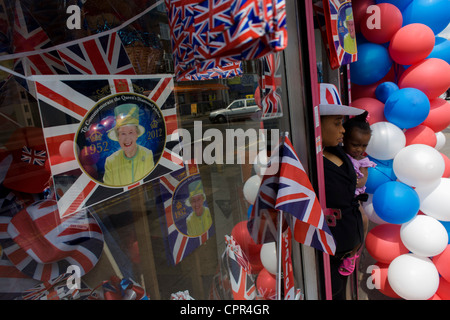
point(435, 199)
point(418, 164)
point(260, 163)
point(441, 139)
point(251, 187)
point(370, 211)
point(386, 141)
point(424, 236)
point(413, 277)
point(268, 255)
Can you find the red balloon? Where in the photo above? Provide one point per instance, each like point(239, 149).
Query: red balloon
point(359, 10)
point(411, 44)
point(443, 290)
point(446, 173)
point(421, 134)
point(384, 244)
point(442, 263)
point(381, 23)
point(381, 274)
point(431, 76)
point(266, 283)
point(249, 247)
point(439, 117)
point(374, 106)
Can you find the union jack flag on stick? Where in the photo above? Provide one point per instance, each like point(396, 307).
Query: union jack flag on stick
point(289, 191)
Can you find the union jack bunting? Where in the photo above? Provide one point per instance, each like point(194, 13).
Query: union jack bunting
point(35, 157)
point(289, 191)
point(103, 55)
point(270, 85)
point(216, 34)
point(29, 36)
point(242, 281)
point(74, 101)
point(43, 246)
point(174, 212)
point(119, 289)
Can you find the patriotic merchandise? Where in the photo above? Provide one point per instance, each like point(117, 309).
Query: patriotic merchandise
point(119, 289)
point(29, 36)
point(42, 245)
point(211, 37)
point(242, 281)
point(57, 289)
point(337, 26)
point(185, 216)
point(270, 85)
point(80, 118)
point(101, 55)
point(28, 171)
point(289, 191)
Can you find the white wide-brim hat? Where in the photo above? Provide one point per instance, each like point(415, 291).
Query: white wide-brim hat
point(330, 102)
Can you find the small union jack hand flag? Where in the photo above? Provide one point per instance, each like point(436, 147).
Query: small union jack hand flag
point(289, 190)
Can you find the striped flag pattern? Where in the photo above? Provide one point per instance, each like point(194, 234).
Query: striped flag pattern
point(290, 191)
point(210, 35)
point(242, 282)
point(102, 55)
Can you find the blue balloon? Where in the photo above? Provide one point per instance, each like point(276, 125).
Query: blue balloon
point(433, 13)
point(446, 225)
point(396, 202)
point(382, 173)
point(407, 108)
point(441, 49)
point(384, 90)
point(373, 64)
point(400, 4)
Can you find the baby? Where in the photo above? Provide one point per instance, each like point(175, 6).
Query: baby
point(356, 138)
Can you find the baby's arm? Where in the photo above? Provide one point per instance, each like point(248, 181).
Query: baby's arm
point(361, 182)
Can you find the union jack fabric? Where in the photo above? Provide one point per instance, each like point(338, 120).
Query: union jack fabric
point(103, 55)
point(119, 289)
point(174, 212)
point(35, 157)
point(43, 246)
point(241, 280)
point(72, 100)
point(289, 191)
point(29, 36)
point(215, 34)
point(270, 85)
point(57, 289)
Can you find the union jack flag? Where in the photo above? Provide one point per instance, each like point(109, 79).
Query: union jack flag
point(241, 280)
point(290, 191)
point(213, 30)
point(29, 36)
point(103, 55)
point(270, 84)
point(174, 213)
point(43, 246)
point(35, 157)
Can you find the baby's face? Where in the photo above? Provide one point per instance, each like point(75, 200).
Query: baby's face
point(356, 142)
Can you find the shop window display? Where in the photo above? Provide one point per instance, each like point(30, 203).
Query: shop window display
point(178, 233)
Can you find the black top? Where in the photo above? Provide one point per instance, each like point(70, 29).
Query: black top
point(340, 185)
